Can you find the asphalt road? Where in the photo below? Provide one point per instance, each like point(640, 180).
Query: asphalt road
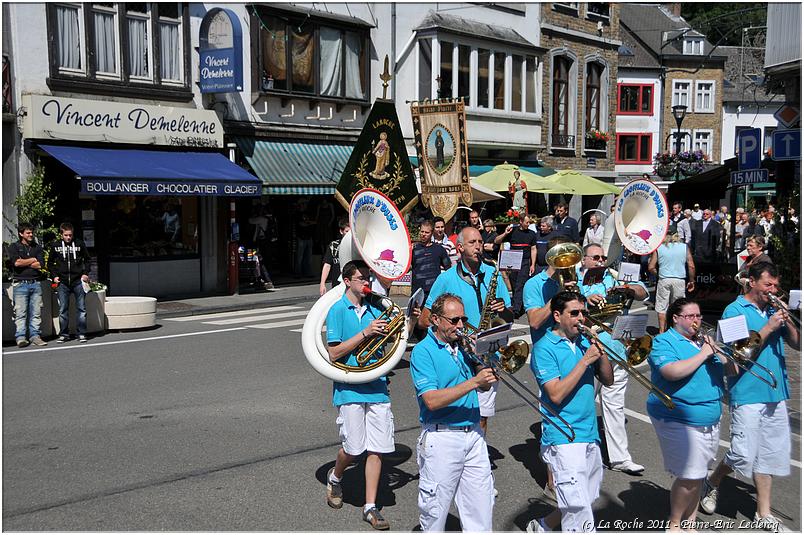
point(213, 423)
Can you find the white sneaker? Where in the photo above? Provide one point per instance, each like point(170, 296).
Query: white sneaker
point(628, 467)
point(708, 497)
point(770, 523)
point(537, 525)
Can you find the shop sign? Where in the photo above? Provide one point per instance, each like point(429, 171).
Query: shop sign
point(58, 118)
point(221, 52)
point(102, 186)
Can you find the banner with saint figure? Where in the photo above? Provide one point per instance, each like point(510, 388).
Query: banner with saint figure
point(380, 161)
point(439, 130)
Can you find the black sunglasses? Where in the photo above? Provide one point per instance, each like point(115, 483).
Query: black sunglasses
point(598, 257)
point(456, 319)
point(576, 313)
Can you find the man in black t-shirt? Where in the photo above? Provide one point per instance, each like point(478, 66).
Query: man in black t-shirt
point(331, 268)
point(26, 258)
point(521, 239)
point(428, 260)
point(489, 232)
point(543, 237)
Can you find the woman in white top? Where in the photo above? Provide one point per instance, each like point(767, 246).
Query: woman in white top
point(594, 233)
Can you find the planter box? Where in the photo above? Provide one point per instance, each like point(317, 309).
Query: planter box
point(96, 313)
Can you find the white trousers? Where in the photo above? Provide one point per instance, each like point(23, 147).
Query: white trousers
point(454, 465)
point(612, 401)
point(578, 473)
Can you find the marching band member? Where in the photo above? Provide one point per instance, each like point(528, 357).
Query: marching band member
point(760, 429)
point(537, 294)
point(452, 452)
point(612, 398)
point(470, 279)
point(684, 367)
point(364, 410)
point(565, 365)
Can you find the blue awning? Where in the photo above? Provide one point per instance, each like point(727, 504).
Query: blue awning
point(296, 168)
point(155, 172)
point(477, 170)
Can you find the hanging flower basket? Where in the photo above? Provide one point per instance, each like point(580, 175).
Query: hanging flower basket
point(664, 171)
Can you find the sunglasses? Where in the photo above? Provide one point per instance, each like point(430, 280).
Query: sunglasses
point(597, 257)
point(456, 319)
point(576, 313)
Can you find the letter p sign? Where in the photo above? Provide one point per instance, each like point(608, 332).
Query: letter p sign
point(749, 149)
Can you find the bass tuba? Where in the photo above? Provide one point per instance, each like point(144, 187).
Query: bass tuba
point(641, 218)
point(379, 236)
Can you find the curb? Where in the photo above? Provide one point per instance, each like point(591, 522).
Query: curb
point(209, 309)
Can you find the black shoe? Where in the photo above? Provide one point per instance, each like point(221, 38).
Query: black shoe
point(82, 338)
point(63, 338)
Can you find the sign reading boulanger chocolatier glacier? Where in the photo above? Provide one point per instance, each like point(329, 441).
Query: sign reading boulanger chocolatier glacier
point(58, 118)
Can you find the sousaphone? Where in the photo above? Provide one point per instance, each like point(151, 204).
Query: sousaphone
point(641, 217)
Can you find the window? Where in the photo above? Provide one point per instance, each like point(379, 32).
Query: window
point(693, 46)
point(681, 92)
point(567, 7)
point(767, 142)
point(635, 99)
point(634, 149)
point(685, 140)
point(704, 96)
point(464, 76)
point(304, 57)
point(530, 85)
point(561, 102)
point(598, 10)
point(517, 65)
point(445, 80)
point(483, 59)
point(593, 75)
point(118, 43)
point(499, 81)
point(425, 68)
point(149, 226)
point(702, 141)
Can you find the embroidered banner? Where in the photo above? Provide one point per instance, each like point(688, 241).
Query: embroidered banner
point(439, 130)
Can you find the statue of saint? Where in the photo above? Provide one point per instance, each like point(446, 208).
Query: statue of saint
point(519, 190)
point(382, 154)
point(439, 145)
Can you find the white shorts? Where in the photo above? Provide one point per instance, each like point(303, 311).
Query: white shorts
point(366, 426)
point(687, 450)
point(488, 400)
point(667, 291)
point(577, 472)
point(760, 439)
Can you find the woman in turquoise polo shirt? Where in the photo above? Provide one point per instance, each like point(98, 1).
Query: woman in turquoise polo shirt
point(684, 365)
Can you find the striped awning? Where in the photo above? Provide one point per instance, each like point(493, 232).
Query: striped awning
point(295, 168)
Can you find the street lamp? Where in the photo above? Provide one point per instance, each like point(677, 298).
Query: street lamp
point(679, 112)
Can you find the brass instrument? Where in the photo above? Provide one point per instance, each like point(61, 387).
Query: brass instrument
point(511, 358)
point(488, 319)
point(371, 346)
point(636, 349)
point(778, 302)
point(563, 258)
point(627, 366)
point(742, 353)
point(618, 301)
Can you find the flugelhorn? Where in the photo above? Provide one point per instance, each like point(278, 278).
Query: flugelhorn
point(742, 353)
point(512, 358)
point(778, 303)
point(563, 257)
point(625, 364)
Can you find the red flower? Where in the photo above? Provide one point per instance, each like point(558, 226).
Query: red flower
point(516, 213)
point(510, 213)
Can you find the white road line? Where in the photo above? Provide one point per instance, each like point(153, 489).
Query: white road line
point(278, 324)
point(91, 345)
point(204, 317)
point(252, 319)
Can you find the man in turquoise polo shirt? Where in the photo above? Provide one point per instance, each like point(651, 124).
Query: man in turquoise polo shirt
point(452, 452)
point(565, 365)
point(760, 428)
point(364, 410)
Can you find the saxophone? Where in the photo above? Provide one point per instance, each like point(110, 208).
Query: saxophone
point(488, 319)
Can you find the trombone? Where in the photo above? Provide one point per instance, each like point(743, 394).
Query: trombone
point(368, 348)
point(740, 353)
point(778, 303)
point(512, 358)
point(626, 363)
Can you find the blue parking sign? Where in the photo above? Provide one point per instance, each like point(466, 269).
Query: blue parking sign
point(749, 150)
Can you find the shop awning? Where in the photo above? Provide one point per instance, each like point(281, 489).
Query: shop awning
point(155, 172)
point(709, 185)
point(296, 168)
point(477, 170)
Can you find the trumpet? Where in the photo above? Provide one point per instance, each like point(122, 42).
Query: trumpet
point(778, 303)
point(370, 347)
point(741, 353)
point(511, 358)
point(627, 366)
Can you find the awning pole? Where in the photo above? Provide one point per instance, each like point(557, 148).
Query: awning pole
point(234, 236)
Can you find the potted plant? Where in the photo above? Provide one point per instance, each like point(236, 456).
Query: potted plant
point(596, 139)
point(690, 163)
point(664, 164)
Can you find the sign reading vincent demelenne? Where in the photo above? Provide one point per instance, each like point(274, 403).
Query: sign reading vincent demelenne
point(57, 118)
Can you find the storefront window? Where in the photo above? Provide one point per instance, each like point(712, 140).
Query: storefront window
point(142, 227)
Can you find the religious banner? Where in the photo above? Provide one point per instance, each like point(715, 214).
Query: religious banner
point(380, 161)
point(439, 130)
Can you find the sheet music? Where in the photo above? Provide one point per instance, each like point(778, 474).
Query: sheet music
point(630, 326)
point(511, 259)
point(795, 300)
point(492, 339)
point(594, 276)
point(628, 272)
point(732, 329)
point(416, 300)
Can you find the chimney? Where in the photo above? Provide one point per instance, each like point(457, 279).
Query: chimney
point(674, 8)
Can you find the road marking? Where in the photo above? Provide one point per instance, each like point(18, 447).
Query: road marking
point(204, 317)
point(278, 324)
point(97, 344)
point(252, 319)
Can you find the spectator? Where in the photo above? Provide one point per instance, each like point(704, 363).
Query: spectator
point(491, 251)
point(697, 214)
point(739, 232)
point(684, 229)
point(755, 245)
point(705, 238)
point(440, 237)
point(673, 264)
point(725, 233)
point(564, 224)
point(68, 263)
point(305, 228)
point(331, 268)
point(675, 218)
point(543, 237)
point(594, 233)
point(753, 228)
point(474, 220)
point(428, 260)
point(26, 259)
point(521, 239)
point(534, 223)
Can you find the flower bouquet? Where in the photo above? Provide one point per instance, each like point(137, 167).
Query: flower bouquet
point(511, 216)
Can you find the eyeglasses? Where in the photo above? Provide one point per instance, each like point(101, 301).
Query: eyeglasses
point(359, 279)
point(690, 316)
point(597, 257)
point(576, 313)
point(456, 319)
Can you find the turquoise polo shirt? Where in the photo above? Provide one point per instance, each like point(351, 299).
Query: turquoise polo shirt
point(555, 359)
point(744, 388)
point(537, 293)
point(433, 367)
point(600, 288)
point(450, 281)
point(342, 324)
point(696, 397)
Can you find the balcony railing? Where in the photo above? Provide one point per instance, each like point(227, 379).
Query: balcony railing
point(7, 103)
point(563, 141)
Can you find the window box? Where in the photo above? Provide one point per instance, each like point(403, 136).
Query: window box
point(595, 144)
point(562, 141)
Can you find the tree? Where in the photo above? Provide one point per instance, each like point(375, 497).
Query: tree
point(36, 206)
point(731, 19)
